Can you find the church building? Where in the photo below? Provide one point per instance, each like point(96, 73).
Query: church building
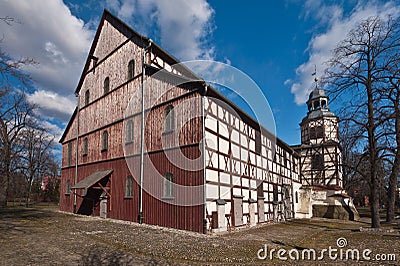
point(151, 142)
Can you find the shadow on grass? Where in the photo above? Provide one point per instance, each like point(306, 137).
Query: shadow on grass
point(17, 219)
point(97, 257)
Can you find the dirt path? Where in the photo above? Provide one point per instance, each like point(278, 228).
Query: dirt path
point(40, 236)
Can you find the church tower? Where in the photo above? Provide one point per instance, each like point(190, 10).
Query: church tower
point(321, 192)
point(320, 151)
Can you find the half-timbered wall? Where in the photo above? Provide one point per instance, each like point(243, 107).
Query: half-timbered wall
point(330, 172)
point(319, 131)
point(320, 152)
point(235, 168)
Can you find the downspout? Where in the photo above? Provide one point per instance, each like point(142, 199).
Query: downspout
point(142, 141)
point(76, 150)
point(204, 159)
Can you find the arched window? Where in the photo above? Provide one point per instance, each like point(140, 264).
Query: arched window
point(106, 85)
point(316, 105)
point(69, 154)
point(131, 69)
point(87, 97)
point(104, 145)
point(169, 118)
point(129, 131)
point(68, 187)
point(85, 147)
point(129, 187)
point(169, 185)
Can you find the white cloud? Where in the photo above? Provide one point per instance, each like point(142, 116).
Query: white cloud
point(321, 45)
point(183, 26)
point(53, 105)
point(48, 33)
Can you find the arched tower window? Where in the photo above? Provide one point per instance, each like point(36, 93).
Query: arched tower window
point(106, 85)
point(323, 104)
point(169, 118)
point(87, 97)
point(104, 145)
point(129, 187)
point(131, 69)
point(129, 131)
point(85, 146)
point(169, 185)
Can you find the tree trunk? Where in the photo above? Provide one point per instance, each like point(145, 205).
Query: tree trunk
point(392, 191)
point(5, 180)
point(375, 220)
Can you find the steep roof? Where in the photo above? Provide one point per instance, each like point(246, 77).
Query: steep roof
point(143, 41)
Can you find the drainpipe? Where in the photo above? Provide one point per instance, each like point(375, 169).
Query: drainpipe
point(76, 150)
point(142, 140)
point(204, 160)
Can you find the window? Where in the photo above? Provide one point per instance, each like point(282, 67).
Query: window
point(296, 197)
point(104, 145)
point(129, 187)
point(169, 118)
point(87, 97)
point(169, 185)
point(316, 132)
point(68, 187)
point(69, 154)
point(317, 162)
point(258, 142)
point(106, 85)
point(129, 131)
point(85, 147)
point(260, 189)
point(131, 69)
point(275, 192)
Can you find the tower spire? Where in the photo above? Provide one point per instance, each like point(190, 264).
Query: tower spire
point(316, 78)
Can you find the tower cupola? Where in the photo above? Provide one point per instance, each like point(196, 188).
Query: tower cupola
point(317, 99)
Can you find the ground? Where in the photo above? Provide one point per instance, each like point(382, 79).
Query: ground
point(44, 236)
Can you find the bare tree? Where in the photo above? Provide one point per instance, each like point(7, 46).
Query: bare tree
point(391, 115)
point(36, 152)
point(357, 70)
point(14, 114)
point(14, 111)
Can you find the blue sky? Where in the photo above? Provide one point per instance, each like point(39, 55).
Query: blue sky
point(276, 43)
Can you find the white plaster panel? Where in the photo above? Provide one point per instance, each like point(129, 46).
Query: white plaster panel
point(223, 146)
point(235, 151)
point(211, 123)
point(212, 191)
point(211, 175)
point(235, 136)
point(223, 129)
point(253, 184)
point(245, 182)
point(225, 192)
point(235, 180)
point(211, 207)
point(237, 191)
point(225, 178)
